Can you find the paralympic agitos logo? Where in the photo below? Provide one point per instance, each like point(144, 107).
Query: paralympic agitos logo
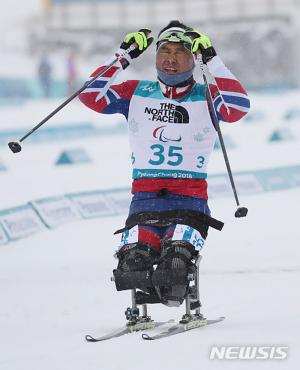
point(159, 134)
point(168, 113)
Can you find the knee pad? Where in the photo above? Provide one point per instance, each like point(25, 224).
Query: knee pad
point(173, 272)
point(136, 257)
point(135, 267)
point(176, 254)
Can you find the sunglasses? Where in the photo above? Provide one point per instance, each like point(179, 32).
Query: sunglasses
point(174, 37)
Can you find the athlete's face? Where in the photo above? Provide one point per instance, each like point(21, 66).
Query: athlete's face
point(173, 57)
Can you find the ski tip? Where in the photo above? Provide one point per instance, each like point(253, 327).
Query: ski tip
point(221, 318)
point(146, 337)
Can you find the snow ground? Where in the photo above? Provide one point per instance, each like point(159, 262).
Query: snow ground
point(55, 288)
point(55, 285)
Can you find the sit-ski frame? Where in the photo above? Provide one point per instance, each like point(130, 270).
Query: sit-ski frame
point(193, 296)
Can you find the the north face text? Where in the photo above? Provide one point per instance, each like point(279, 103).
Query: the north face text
point(168, 112)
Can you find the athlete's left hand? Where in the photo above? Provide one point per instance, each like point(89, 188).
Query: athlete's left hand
point(201, 43)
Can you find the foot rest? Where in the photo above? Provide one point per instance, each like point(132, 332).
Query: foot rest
point(143, 298)
point(194, 305)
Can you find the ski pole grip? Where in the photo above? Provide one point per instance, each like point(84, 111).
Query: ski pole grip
point(146, 31)
point(129, 50)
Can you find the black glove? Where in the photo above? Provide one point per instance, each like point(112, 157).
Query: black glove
point(141, 39)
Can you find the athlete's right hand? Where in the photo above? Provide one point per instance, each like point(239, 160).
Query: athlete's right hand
point(140, 38)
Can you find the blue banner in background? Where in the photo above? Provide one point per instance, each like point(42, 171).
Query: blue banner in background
point(64, 132)
point(14, 90)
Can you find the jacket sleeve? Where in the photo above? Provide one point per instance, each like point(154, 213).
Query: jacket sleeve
point(230, 99)
point(104, 97)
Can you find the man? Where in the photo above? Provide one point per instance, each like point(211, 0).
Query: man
point(45, 75)
point(171, 136)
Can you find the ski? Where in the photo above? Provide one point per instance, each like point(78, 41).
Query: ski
point(127, 329)
point(184, 325)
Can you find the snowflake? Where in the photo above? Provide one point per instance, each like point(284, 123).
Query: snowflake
point(198, 137)
point(133, 126)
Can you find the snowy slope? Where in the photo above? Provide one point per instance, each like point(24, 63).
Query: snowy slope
point(55, 288)
point(55, 285)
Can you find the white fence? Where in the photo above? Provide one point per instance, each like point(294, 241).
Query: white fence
point(155, 13)
point(38, 215)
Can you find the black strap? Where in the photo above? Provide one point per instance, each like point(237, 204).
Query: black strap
point(194, 219)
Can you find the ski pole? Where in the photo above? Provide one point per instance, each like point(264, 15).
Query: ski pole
point(15, 146)
point(241, 211)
